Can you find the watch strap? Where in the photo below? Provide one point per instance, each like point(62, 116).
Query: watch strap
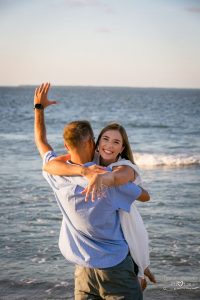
point(38, 106)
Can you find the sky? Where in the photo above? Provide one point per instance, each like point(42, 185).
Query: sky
point(144, 43)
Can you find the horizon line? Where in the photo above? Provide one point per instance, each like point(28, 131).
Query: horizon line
point(100, 86)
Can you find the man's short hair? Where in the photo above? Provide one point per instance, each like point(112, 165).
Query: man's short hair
point(76, 132)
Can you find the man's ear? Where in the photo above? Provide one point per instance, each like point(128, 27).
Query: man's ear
point(66, 146)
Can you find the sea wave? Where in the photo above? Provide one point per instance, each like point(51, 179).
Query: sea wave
point(33, 289)
point(147, 160)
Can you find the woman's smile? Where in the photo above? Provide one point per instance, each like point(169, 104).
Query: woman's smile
point(110, 146)
point(107, 151)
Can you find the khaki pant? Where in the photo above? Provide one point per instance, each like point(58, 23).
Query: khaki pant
point(115, 283)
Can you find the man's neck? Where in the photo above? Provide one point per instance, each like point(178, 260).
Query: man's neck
point(80, 158)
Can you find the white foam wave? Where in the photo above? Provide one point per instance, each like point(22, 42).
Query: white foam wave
point(146, 160)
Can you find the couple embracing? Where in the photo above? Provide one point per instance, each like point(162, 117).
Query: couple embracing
point(95, 186)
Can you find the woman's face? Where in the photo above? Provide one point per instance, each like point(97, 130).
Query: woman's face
point(110, 146)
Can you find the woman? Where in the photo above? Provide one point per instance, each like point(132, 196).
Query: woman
point(113, 150)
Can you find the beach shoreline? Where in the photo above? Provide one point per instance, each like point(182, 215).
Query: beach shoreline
point(183, 294)
point(42, 291)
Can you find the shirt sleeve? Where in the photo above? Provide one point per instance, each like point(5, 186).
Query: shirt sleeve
point(49, 156)
point(124, 195)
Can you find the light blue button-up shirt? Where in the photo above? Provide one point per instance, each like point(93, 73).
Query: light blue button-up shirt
point(90, 233)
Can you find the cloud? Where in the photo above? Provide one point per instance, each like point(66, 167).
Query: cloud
point(89, 3)
point(195, 10)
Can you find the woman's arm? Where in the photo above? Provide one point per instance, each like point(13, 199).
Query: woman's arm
point(120, 175)
point(144, 196)
point(124, 174)
point(58, 166)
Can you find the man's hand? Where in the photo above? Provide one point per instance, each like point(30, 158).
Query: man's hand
point(41, 95)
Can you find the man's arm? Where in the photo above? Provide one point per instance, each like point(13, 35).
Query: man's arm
point(41, 98)
point(40, 133)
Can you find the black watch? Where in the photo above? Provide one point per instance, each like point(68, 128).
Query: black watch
point(38, 106)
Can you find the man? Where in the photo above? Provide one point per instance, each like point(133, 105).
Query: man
point(91, 235)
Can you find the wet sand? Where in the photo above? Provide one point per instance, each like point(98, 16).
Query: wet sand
point(44, 291)
point(160, 294)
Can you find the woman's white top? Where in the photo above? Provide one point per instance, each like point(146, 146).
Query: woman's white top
point(133, 227)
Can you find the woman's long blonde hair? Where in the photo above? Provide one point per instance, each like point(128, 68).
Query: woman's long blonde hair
point(127, 152)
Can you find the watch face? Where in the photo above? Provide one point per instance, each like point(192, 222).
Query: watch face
point(38, 106)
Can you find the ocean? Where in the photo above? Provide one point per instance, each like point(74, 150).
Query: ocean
point(163, 126)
